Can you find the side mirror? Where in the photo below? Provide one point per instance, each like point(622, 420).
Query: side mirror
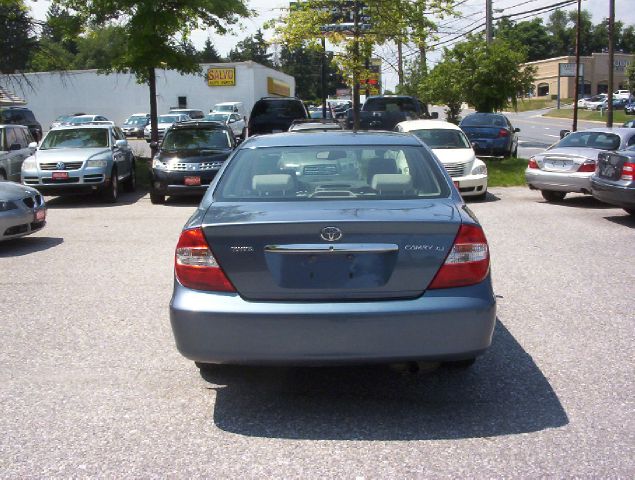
point(474, 145)
point(33, 145)
point(154, 145)
point(15, 146)
point(564, 133)
point(232, 120)
point(121, 143)
point(238, 141)
point(434, 115)
point(516, 130)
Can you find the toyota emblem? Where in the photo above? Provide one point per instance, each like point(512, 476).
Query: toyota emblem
point(331, 234)
point(60, 165)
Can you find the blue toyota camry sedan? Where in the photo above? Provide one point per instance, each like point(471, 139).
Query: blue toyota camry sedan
point(331, 248)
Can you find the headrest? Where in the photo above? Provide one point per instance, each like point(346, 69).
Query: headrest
point(391, 182)
point(279, 182)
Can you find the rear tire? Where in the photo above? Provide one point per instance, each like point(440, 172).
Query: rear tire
point(552, 196)
point(111, 193)
point(130, 184)
point(3, 176)
point(156, 198)
point(205, 367)
point(515, 152)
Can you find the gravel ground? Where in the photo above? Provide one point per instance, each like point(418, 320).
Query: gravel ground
point(91, 384)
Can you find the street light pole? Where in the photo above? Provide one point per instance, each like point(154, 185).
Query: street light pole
point(355, 66)
point(576, 87)
point(609, 99)
point(488, 22)
point(323, 80)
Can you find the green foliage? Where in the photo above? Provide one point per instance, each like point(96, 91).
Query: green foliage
point(100, 48)
point(630, 76)
point(533, 35)
point(50, 57)
point(17, 38)
point(304, 64)
point(155, 33)
point(489, 77)
point(209, 53)
point(252, 48)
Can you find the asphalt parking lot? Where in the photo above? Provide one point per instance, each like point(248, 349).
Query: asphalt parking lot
point(91, 384)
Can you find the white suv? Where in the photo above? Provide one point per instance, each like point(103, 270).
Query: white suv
point(625, 94)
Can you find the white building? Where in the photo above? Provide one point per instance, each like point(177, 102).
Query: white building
point(117, 95)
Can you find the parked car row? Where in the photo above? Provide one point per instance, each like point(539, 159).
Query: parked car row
point(593, 161)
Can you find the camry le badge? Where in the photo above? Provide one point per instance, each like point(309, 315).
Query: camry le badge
point(331, 234)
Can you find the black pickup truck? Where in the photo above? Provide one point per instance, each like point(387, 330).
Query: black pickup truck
point(385, 111)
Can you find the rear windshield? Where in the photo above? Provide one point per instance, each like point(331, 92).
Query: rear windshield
point(217, 117)
point(390, 105)
point(169, 118)
point(484, 121)
point(76, 138)
point(331, 172)
point(442, 138)
point(16, 116)
point(137, 121)
point(280, 108)
point(196, 139)
point(224, 108)
point(599, 140)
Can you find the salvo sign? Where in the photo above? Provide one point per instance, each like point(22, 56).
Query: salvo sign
point(221, 77)
point(568, 70)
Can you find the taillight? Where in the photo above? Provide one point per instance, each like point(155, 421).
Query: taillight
point(587, 167)
point(503, 133)
point(468, 261)
point(628, 172)
point(195, 266)
point(532, 163)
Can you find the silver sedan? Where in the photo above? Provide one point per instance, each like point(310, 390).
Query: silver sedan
point(568, 165)
point(22, 210)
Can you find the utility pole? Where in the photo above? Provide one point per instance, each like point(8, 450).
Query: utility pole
point(609, 99)
point(355, 66)
point(576, 87)
point(323, 76)
point(489, 34)
point(400, 61)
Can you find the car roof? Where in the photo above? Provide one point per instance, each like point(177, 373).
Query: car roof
point(200, 124)
point(333, 137)
point(84, 125)
point(427, 125)
point(616, 130)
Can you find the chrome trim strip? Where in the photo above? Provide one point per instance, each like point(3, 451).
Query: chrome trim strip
point(333, 248)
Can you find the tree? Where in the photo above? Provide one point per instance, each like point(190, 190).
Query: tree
point(99, 48)
point(630, 77)
point(381, 22)
point(252, 48)
point(489, 77)
point(531, 35)
point(562, 37)
point(304, 63)
point(156, 33)
point(444, 85)
point(17, 38)
point(209, 53)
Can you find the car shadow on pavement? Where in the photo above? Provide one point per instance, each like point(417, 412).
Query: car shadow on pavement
point(88, 200)
point(18, 247)
point(626, 220)
point(581, 201)
point(503, 393)
point(489, 197)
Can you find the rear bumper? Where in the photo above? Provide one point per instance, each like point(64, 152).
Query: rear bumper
point(559, 182)
point(224, 328)
point(620, 196)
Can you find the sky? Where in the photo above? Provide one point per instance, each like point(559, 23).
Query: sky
point(472, 11)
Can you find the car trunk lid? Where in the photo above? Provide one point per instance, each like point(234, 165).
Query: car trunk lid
point(322, 251)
